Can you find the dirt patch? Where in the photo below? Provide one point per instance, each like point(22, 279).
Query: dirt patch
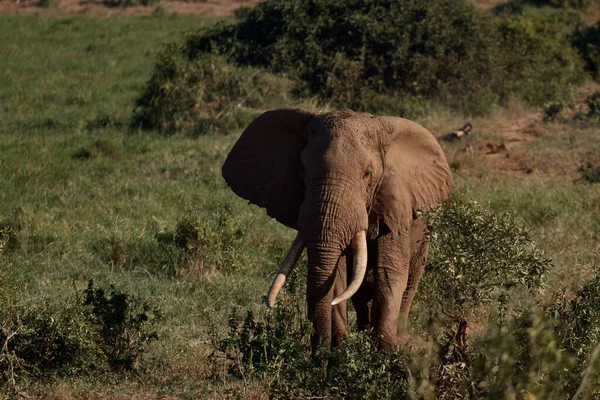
point(99, 8)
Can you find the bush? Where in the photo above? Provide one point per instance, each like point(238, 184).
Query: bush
point(48, 339)
point(197, 246)
point(587, 42)
point(338, 49)
point(125, 324)
point(371, 55)
point(86, 333)
point(524, 358)
point(589, 173)
point(204, 95)
point(593, 103)
point(540, 64)
point(278, 345)
point(475, 258)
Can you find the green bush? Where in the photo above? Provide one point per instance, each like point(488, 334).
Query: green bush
point(540, 64)
point(125, 324)
point(340, 48)
point(85, 333)
point(372, 55)
point(197, 246)
point(587, 42)
point(522, 357)
point(593, 103)
point(277, 344)
point(475, 258)
point(48, 339)
point(589, 173)
point(204, 95)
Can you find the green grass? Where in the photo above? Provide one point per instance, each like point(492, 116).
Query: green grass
point(85, 187)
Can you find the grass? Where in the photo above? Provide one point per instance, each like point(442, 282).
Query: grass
point(91, 196)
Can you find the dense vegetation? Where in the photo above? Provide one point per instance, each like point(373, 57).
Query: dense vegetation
point(129, 268)
point(376, 55)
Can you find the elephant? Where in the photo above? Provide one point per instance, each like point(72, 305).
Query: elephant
point(352, 185)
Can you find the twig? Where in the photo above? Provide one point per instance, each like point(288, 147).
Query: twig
point(588, 373)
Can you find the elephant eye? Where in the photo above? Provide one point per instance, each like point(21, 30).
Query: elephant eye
point(368, 173)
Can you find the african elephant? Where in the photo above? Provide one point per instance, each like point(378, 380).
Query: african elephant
point(351, 185)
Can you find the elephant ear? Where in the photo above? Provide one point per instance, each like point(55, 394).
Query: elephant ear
point(263, 165)
point(416, 174)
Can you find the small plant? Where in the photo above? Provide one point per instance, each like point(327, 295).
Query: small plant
point(475, 258)
point(10, 228)
point(522, 356)
point(552, 110)
point(589, 173)
point(593, 103)
point(198, 246)
point(125, 324)
point(276, 347)
point(47, 340)
point(48, 3)
point(203, 95)
point(85, 333)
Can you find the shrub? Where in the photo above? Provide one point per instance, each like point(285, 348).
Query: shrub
point(593, 103)
point(204, 95)
point(589, 173)
point(125, 324)
point(278, 345)
point(475, 258)
point(197, 246)
point(540, 64)
point(587, 42)
point(48, 339)
point(522, 357)
point(85, 333)
point(337, 49)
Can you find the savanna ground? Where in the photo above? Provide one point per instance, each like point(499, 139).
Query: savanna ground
point(92, 198)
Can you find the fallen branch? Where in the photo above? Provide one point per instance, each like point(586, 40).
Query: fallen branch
point(457, 134)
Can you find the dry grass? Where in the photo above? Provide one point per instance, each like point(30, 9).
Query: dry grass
point(99, 8)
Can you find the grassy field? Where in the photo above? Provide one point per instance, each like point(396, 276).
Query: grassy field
point(92, 197)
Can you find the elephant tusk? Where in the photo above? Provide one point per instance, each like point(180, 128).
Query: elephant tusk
point(359, 249)
point(286, 267)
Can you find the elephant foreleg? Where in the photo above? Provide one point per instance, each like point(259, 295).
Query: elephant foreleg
point(391, 277)
point(363, 302)
point(419, 246)
point(417, 267)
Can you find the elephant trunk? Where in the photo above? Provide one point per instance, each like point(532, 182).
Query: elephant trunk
point(319, 287)
point(328, 231)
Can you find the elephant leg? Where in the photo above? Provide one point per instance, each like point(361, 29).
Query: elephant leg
point(417, 267)
point(363, 302)
point(419, 247)
point(391, 278)
point(339, 317)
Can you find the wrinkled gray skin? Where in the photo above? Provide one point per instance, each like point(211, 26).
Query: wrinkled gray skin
point(332, 175)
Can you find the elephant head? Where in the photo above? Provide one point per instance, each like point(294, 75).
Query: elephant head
point(347, 182)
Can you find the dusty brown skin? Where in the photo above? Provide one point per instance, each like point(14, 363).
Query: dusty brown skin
point(332, 176)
